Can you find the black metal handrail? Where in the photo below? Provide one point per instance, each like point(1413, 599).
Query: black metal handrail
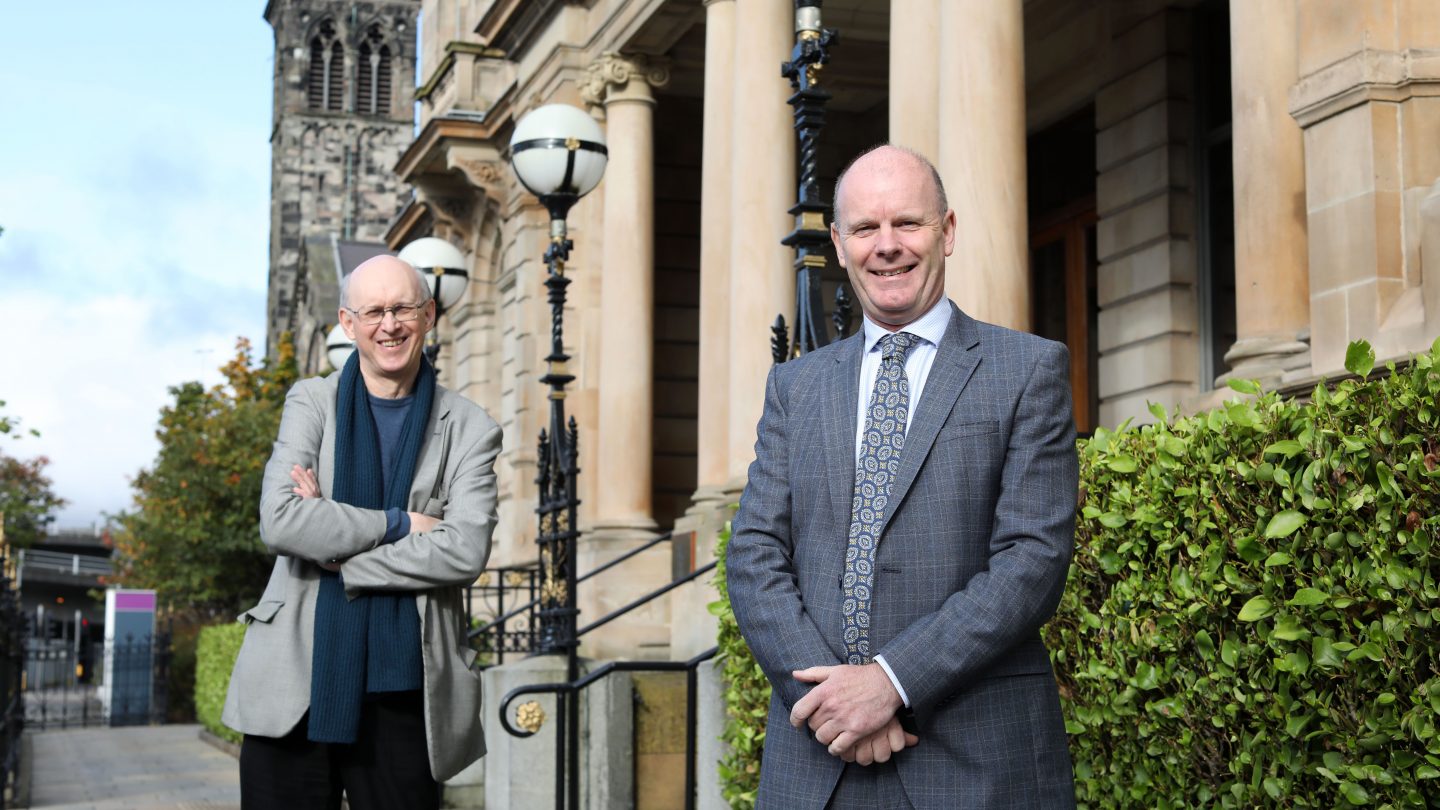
point(647, 598)
point(567, 740)
point(500, 621)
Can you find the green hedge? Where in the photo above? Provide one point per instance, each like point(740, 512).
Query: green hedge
point(214, 659)
point(747, 698)
point(1250, 615)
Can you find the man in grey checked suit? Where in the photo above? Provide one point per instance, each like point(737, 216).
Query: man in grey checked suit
point(355, 674)
point(905, 532)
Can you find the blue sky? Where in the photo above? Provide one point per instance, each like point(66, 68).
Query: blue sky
point(134, 194)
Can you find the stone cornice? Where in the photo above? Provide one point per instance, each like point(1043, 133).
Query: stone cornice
point(429, 147)
point(1365, 76)
point(447, 64)
point(614, 71)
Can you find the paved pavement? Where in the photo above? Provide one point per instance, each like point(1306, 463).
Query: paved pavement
point(134, 768)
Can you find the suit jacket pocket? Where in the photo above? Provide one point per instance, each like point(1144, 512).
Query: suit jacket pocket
point(964, 429)
point(263, 612)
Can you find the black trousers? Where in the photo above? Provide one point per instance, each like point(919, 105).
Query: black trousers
point(386, 768)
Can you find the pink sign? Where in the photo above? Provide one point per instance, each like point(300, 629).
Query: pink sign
point(135, 600)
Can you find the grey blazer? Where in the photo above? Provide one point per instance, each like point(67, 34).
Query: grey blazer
point(455, 481)
point(971, 563)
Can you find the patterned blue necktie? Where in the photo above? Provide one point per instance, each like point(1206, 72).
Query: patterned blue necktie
point(874, 470)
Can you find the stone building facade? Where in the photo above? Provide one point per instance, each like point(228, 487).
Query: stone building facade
point(343, 113)
point(1181, 190)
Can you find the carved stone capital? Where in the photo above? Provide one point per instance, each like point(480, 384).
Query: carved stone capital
point(452, 212)
point(630, 76)
point(485, 175)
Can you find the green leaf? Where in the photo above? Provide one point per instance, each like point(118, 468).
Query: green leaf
point(1278, 558)
point(1354, 793)
point(1359, 358)
point(1244, 386)
point(1229, 652)
point(1158, 411)
point(1122, 464)
point(1112, 520)
point(1428, 771)
point(1286, 448)
point(1289, 629)
point(1284, 524)
point(1256, 609)
point(1308, 596)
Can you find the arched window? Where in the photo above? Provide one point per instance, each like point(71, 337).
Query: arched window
point(325, 80)
point(374, 79)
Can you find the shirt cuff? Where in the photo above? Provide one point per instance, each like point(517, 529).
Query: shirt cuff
point(894, 681)
point(397, 525)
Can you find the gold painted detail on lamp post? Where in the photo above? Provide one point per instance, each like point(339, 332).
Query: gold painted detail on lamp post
point(530, 716)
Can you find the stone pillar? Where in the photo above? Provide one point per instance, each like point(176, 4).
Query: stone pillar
point(762, 171)
point(713, 422)
point(627, 351)
point(982, 157)
point(1272, 283)
point(622, 460)
point(1366, 101)
point(915, 76)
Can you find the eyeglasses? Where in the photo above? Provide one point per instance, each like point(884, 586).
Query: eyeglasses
point(373, 315)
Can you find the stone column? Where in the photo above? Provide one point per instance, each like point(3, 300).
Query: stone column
point(982, 157)
point(1272, 283)
point(713, 423)
point(915, 76)
point(762, 171)
point(622, 459)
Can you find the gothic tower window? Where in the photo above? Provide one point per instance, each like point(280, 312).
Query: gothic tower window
point(325, 80)
point(374, 79)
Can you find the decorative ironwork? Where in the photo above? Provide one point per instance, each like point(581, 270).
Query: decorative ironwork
point(510, 599)
point(558, 453)
point(810, 238)
point(779, 340)
point(530, 716)
point(841, 315)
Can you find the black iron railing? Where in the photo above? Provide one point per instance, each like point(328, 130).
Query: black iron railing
point(12, 664)
point(567, 733)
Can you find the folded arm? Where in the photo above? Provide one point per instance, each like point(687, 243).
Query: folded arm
point(452, 551)
point(315, 529)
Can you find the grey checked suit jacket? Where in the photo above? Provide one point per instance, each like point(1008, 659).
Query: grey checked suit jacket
point(971, 563)
point(454, 481)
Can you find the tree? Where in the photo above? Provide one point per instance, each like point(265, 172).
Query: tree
point(26, 499)
point(193, 533)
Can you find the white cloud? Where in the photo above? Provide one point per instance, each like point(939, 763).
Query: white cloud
point(92, 380)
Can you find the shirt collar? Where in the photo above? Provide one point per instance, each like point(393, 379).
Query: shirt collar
point(930, 327)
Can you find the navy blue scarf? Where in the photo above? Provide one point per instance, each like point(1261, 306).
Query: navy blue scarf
point(370, 643)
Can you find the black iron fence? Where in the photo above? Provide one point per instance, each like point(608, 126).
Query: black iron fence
point(503, 606)
point(69, 684)
point(516, 631)
point(12, 663)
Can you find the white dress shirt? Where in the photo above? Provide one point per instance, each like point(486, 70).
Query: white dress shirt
point(929, 328)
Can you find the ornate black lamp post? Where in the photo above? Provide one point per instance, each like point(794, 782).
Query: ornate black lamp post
point(444, 266)
point(559, 154)
point(811, 237)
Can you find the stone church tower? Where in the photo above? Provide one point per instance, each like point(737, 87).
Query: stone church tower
point(344, 111)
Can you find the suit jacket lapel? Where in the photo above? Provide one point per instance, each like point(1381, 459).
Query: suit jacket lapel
point(842, 399)
point(954, 363)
